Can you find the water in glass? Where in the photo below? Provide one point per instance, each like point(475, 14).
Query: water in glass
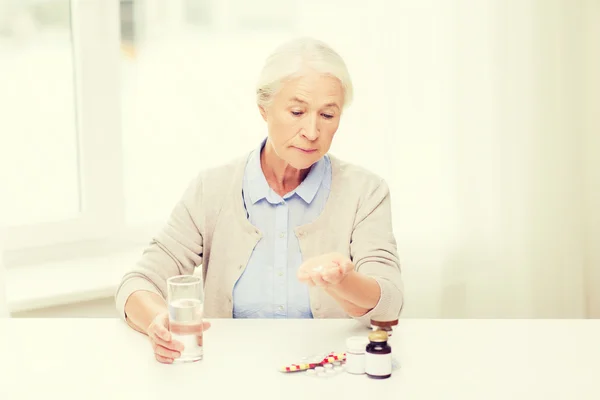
point(186, 309)
point(186, 327)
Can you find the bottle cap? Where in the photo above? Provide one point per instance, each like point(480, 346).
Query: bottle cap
point(357, 344)
point(378, 336)
point(384, 324)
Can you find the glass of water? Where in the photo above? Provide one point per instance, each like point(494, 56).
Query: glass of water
point(186, 309)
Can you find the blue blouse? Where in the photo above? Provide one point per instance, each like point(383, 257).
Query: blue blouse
point(268, 287)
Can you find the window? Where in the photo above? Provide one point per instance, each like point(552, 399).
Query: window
point(38, 107)
point(60, 153)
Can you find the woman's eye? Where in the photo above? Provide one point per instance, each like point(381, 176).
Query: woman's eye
point(327, 116)
point(297, 113)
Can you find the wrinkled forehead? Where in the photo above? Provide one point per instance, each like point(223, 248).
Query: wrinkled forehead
point(316, 90)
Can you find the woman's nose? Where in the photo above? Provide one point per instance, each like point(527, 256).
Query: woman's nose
point(311, 129)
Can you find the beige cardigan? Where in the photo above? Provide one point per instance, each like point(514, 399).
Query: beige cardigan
point(209, 227)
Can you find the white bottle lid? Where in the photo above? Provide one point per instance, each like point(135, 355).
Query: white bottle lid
point(357, 344)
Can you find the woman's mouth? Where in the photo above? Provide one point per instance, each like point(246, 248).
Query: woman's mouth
point(305, 151)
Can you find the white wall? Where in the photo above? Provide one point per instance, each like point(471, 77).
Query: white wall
point(591, 154)
point(485, 154)
point(101, 308)
point(3, 303)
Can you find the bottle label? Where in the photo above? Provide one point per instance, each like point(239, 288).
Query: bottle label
point(355, 363)
point(378, 364)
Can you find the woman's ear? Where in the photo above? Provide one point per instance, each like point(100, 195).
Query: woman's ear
point(263, 112)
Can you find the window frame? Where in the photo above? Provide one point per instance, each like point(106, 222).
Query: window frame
point(95, 34)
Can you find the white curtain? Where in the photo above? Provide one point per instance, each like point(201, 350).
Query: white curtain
point(491, 168)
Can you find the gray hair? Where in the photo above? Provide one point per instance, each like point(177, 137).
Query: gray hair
point(293, 58)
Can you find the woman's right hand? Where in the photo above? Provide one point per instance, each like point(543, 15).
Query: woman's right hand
point(166, 350)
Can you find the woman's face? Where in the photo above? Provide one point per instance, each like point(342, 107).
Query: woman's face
point(303, 117)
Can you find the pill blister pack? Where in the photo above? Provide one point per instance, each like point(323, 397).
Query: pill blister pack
point(321, 360)
point(326, 371)
point(324, 365)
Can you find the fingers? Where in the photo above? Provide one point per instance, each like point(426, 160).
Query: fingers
point(163, 360)
point(328, 269)
point(159, 328)
point(180, 329)
point(302, 274)
point(174, 345)
point(347, 266)
point(166, 349)
point(165, 352)
point(308, 281)
point(304, 277)
point(321, 275)
point(317, 278)
point(333, 275)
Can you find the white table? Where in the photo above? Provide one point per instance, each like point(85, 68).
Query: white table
point(441, 359)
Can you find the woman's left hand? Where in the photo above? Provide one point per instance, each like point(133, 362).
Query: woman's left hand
point(326, 270)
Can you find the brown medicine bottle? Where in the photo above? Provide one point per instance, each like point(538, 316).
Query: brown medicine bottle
point(378, 357)
point(384, 325)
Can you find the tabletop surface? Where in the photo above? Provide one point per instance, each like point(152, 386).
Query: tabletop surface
point(439, 359)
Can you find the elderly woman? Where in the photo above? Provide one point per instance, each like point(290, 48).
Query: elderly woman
point(287, 230)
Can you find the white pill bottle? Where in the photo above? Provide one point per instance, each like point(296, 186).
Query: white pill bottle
point(355, 354)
